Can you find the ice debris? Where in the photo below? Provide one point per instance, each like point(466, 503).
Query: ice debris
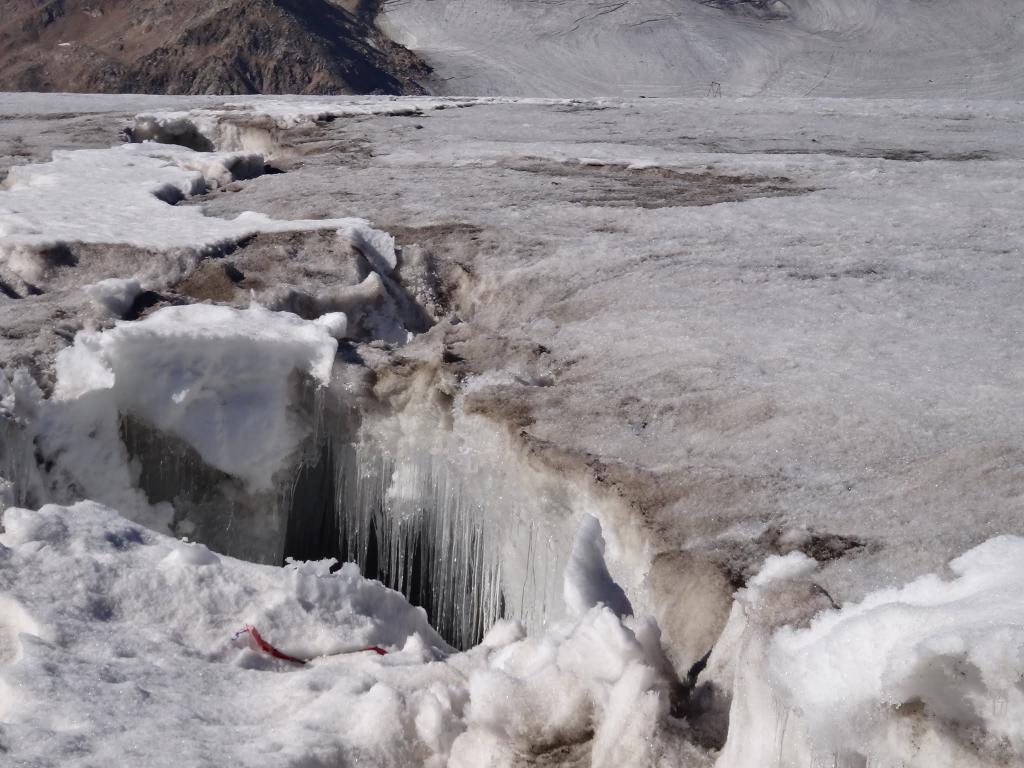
point(218, 378)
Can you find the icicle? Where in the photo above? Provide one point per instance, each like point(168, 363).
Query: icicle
point(429, 517)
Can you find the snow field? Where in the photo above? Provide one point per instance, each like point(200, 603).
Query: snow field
point(658, 48)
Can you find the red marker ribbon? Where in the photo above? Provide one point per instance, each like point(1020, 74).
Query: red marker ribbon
point(270, 650)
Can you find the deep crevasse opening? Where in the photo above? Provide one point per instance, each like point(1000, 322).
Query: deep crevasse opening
point(435, 505)
point(439, 507)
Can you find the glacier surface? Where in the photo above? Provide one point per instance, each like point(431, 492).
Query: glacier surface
point(839, 48)
point(693, 423)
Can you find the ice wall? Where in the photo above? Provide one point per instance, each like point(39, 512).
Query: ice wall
point(447, 515)
point(19, 399)
point(442, 511)
point(238, 429)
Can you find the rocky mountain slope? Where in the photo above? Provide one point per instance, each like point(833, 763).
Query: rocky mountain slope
point(195, 46)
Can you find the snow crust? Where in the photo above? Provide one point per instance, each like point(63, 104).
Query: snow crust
point(126, 194)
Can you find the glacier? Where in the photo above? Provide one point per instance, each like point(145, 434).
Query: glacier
point(618, 423)
point(739, 48)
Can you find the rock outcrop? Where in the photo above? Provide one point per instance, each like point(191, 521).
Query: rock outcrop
point(198, 47)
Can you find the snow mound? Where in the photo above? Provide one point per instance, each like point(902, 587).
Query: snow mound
point(217, 377)
point(114, 295)
point(588, 687)
point(924, 675)
point(131, 642)
point(129, 656)
point(952, 650)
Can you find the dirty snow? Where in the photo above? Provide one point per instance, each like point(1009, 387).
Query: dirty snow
point(129, 193)
point(874, 48)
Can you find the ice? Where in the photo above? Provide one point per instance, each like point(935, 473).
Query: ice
point(587, 581)
point(450, 521)
point(216, 377)
point(20, 400)
point(192, 420)
point(114, 295)
point(127, 194)
point(681, 334)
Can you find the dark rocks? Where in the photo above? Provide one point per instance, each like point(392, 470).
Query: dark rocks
point(198, 47)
